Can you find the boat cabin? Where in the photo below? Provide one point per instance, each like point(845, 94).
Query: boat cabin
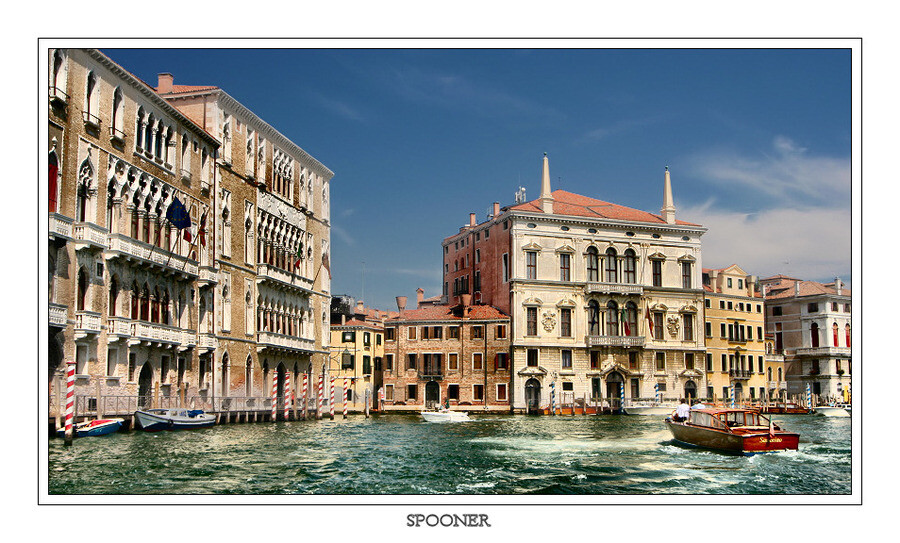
point(724, 419)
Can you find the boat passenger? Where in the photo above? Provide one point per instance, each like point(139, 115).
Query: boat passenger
point(682, 412)
point(698, 405)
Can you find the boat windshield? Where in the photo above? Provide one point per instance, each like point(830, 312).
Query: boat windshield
point(744, 418)
point(705, 419)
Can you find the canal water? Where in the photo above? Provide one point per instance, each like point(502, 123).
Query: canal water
point(492, 454)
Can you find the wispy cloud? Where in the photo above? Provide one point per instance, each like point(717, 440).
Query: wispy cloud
point(343, 235)
point(616, 128)
point(340, 108)
point(788, 173)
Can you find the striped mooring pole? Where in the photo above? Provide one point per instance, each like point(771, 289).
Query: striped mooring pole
point(331, 401)
point(344, 394)
point(552, 398)
point(731, 392)
point(319, 399)
point(305, 402)
point(622, 397)
point(656, 391)
point(70, 400)
point(274, 396)
point(287, 394)
point(808, 397)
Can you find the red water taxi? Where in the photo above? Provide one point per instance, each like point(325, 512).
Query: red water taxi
point(741, 431)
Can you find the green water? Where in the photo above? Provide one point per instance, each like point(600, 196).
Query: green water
point(400, 454)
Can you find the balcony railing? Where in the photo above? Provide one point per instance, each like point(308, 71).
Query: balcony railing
point(207, 341)
point(281, 341)
point(824, 351)
point(208, 277)
point(58, 315)
point(118, 327)
point(185, 174)
point(266, 272)
point(58, 97)
point(740, 374)
point(777, 384)
point(60, 226)
point(124, 246)
point(152, 332)
point(430, 375)
point(613, 288)
point(86, 322)
point(91, 120)
point(116, 135)
point(614, 341)
point(88, 234)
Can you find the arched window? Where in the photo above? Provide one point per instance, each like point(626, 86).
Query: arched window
point(53, 178)
point(630, 267)
point(135, 302)
point(612, 319)
point(85, 180)
point(118, 114)
point(593, 264)
point(847, 332)
point(139, 129)
point(148, 133)
point(780, 374)
point(593, 318)
point(248, 377)
point(814, 335)
point(769, 374)
point(834, 333)
point(165, 307)
point(91, 98)
point(611, 265)
point(225, 375)
point(630, 319)
point(145, 303)
point(58, 75)
point(113, 296)
point(83, 286)
point(154, 306)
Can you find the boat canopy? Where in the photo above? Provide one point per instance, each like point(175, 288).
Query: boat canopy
point(727, 418)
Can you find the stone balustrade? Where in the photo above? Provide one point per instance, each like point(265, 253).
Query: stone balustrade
point(90, 235)
point(87, 322)
point(612, 288)
point(125, 246)
point(58, 316)
point(60, 226)
point(266, 272)
point(272, 339)
point(614, 341)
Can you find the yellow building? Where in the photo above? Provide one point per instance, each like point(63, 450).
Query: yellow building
point(735, 341)
point(357, 350)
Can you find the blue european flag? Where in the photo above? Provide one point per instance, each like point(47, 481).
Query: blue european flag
point(178, 215)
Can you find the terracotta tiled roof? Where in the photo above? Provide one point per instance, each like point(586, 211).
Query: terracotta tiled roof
point(450, 313)
point(179, 89)
point(567, 203)
point(358, 323)
point(785, 288)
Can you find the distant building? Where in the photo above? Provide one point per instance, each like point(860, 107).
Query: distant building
point(602, 298)
point(735, 338)
point(456, 355)
point(811, 326)
point(357, 354)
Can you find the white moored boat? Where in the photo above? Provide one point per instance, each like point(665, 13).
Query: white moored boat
point(837, 410)
point(648, 408)
point(445, 416)
point(153, 420)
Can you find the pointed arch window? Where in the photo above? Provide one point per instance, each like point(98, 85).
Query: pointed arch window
point(248, 377)
point(814, 335)
point(145, 303)
point(58, 77)
point(85, 180)
point(135, 302)
point(113, 296)
point(91, 100)
point(612, 265)
point(83, 286)
point(118, 113)
point(53, 179)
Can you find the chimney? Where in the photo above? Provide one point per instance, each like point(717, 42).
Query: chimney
point(420, 295)
point(165, 83)
point(496, 209)
point(546, 194)
point(343, 319)
point(796, 288)
point(668, 209)
point(466, 300)
point(838, 285)
point(401, 304)
point(360, 307)
point(471, 219)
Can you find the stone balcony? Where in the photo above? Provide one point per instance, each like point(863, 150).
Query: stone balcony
point(86, 323)
point(824, 351)
point(275, 341)
point(88, 235)
point(740, 374)
point(207, 341)
point(60, 227)
point(777, 384)
point(281, 279)
point(612, 288)
point(614, 341)
point(149, 333)
point(58, 316)
point(144, 254)
point(208, 277)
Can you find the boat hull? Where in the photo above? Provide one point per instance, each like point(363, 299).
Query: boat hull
point(445, 416)
point(94, 428)
point(645, 410)
point(155, 422)
point(831, 411)
point(737, 443)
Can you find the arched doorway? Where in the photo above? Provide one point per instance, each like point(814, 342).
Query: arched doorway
point(615, 386)
point(690, 391)
point(280, 389)
point(532, 396)
point(145, 385)
point(432, 394)
point(738, 392)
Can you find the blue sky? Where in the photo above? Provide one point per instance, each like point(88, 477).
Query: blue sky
point(757, 141)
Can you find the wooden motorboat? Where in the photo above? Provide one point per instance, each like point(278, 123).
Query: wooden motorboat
point(836, 410)
point(93, 428)
point(739, 431)
point(154, 420)
point(445, 416)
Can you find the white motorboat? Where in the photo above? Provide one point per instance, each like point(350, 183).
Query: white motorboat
point(445, 416)
point(836, 410)
point(153, 420)
point(648, 408)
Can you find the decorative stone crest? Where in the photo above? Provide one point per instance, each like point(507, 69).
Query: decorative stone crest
point(549, 321)
point(672, 325)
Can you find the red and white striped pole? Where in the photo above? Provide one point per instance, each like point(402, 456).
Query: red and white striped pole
point(305, 402)
point(274, 395)
point(331, 403)
point(319, 398)
point(344, 393)
point(287, 394)
point(70, 400)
